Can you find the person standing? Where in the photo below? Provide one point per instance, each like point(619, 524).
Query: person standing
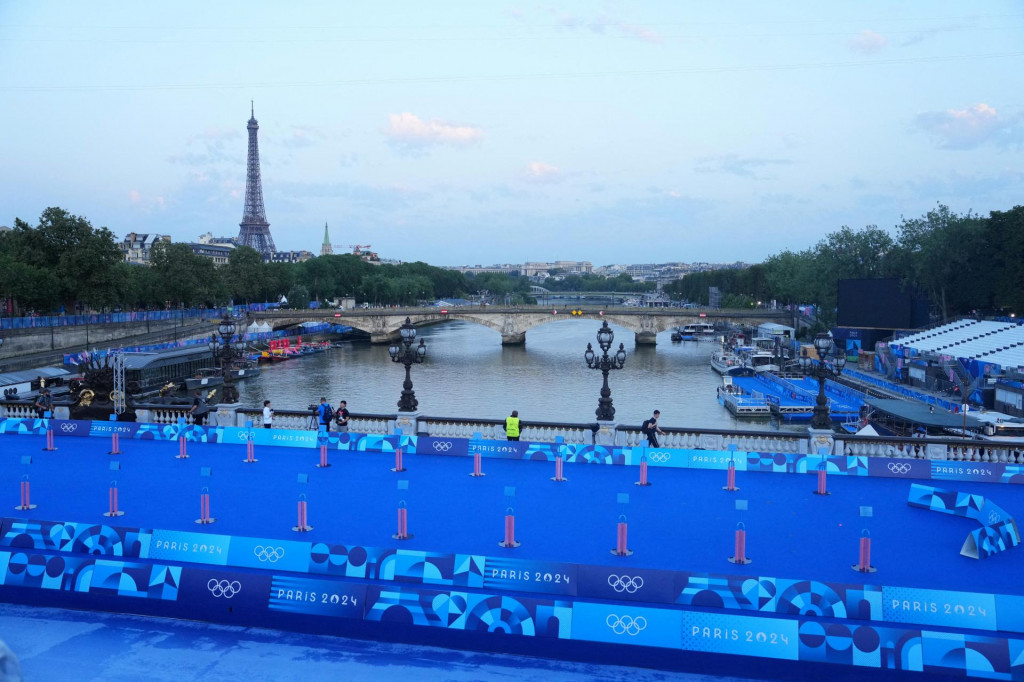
point(651, 430)
point(44, 403)
point(341, 416)
point(268, 415)
point(198, 409)
point(325, 413)
point(512, 426)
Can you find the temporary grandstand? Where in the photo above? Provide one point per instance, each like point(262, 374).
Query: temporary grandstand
point(999, 343)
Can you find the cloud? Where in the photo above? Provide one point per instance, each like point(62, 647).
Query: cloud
point(540, 171)
point(409, 130)
point(735, 165)
point(146, 204)
point(602, 23)
point(867, 42)
point(971, 127)
point(640, 32)
point(303, 136)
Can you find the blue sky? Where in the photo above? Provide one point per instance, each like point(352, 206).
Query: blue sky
point(464, 133)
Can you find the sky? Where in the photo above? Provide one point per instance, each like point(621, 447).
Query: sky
point(502, 132)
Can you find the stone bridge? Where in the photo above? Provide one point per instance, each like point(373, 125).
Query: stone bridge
point(513, 323)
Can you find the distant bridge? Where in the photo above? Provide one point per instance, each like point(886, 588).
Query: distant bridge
point(512, 323)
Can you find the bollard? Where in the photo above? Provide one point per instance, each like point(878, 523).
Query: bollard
point(558, 477)
point(302, 526)
point(398, 461)
point(822, 485)
point(643, 471)
point(250, 444)
point(730, 477)
point(621, 536)
point(403, 524)
point(740, 552)
point(112, 494)
point(510, 531)
point(204, 507)
point(477, 464)
point(50, 447)
point(863, 564)
point(323, 458)
point(26, 495)
point(182, 448)
point(115, 438)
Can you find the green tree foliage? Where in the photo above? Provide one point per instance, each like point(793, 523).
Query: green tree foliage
point(68, 260)
point(1003, 259)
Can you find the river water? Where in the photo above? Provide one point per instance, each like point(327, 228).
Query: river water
point(468, 373)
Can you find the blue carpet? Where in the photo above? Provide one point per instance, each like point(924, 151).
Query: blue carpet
point(684, 521)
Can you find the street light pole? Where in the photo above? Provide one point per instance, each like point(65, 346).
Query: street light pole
point(408, 356)
point(226, 354)
point(827, 350)
point(605, 411)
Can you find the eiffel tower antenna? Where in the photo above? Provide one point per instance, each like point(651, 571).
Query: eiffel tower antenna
point(255, 230)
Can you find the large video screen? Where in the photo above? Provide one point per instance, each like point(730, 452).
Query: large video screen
point(881, 304)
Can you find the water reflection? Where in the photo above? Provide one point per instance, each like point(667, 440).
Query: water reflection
point(467, 373)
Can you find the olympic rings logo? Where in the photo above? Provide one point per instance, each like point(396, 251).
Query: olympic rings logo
point(659, 457)
point(68, 428)
point(443, 446)
point(626, 624)
point(899, 467)
point(224, 588)
point(271, 554)
point(244, 436)
point(625, 583)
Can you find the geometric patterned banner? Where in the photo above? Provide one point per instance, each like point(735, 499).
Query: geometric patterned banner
point(998, 532)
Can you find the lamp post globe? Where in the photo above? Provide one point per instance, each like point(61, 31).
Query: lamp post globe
point(605, 363)
point(407, 355)
point(822, 371)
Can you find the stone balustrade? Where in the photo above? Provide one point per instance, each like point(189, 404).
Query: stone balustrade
point(944, 449)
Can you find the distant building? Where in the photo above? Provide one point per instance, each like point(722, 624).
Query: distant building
point(208, 238)
point(289, 257)
point(325, 248)
point(565, 267)
point(218, 253)
point(137, 247)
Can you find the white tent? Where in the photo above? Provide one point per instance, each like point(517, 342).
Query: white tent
point(264, 328)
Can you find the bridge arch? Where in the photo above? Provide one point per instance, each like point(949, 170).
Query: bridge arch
point(512, 323)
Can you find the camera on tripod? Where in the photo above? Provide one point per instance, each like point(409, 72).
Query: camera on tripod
point(311, 408)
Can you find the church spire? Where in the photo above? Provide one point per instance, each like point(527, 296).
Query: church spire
point(326, 249)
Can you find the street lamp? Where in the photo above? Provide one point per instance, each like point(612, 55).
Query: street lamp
point(226, 355)
point(605, 363)
point(827, 350)
point(407, 356)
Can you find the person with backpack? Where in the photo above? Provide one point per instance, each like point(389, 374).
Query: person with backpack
point(325, 413)
point(651, 430)
point(199, 408)
point(44, 403)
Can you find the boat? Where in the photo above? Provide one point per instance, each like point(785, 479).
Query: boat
point(698, 332)
point(245, 372)
point(205, 378)
point(728, 363)
point(145, 373)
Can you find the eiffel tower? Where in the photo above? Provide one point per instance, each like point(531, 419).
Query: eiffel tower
point(255, 232)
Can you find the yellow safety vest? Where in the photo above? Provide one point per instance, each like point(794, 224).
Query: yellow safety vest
point(512, 426)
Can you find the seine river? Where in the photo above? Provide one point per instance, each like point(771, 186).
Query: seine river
point(468, 373)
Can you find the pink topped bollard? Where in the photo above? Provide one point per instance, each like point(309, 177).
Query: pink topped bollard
point(403, 514)
point(509, 541)
point(622, 528)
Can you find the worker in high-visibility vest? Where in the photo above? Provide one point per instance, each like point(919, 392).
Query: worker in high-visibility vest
point(512, 426)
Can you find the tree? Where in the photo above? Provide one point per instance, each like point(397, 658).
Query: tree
point(943, 253)
point(80, 258)
point(244, 273)
point(1004, 249)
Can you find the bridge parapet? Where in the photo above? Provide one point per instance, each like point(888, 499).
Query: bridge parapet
point(513, 322)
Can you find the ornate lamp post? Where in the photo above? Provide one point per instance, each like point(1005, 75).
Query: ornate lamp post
point(605, 363)
point(407, 355)
point(821, 371)
point(226, 354)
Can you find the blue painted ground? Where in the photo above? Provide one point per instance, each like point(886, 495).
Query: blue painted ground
point(55, 644)
point(682, 522)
